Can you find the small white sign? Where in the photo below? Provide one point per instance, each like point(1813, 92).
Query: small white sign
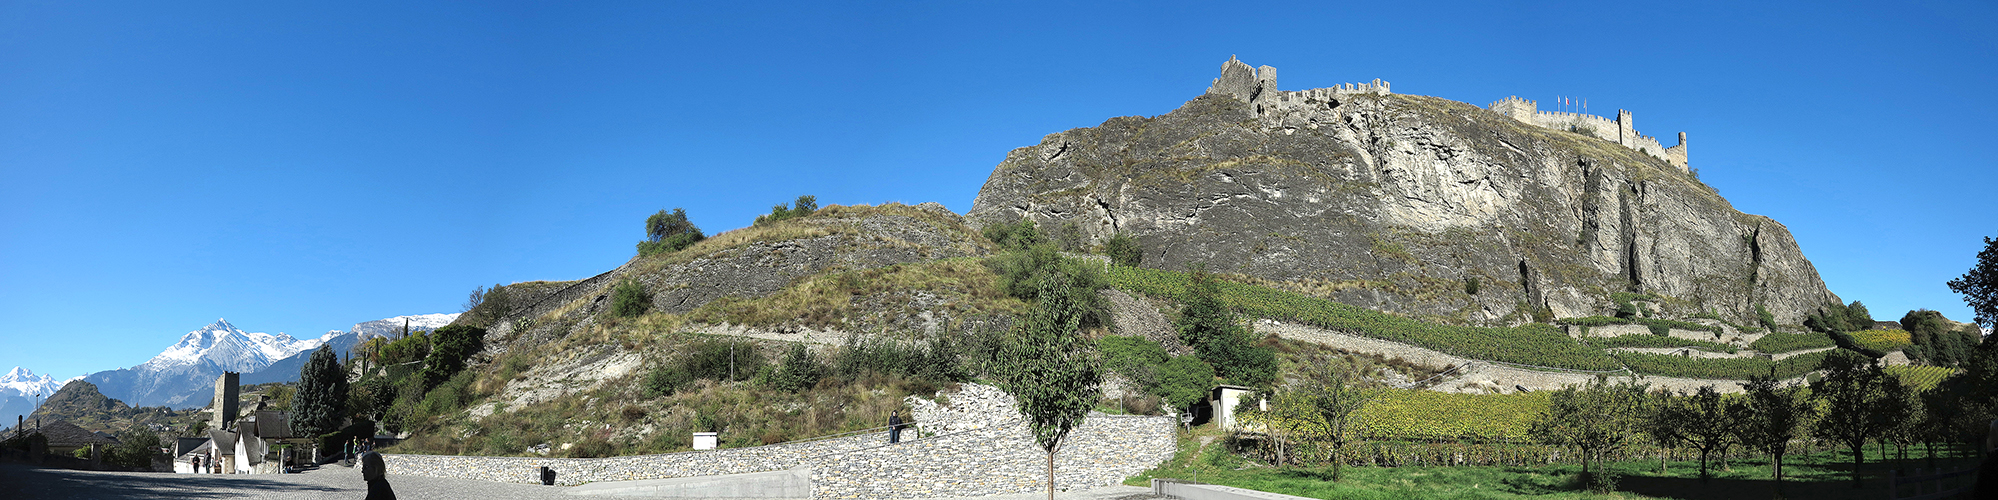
point(706, 440)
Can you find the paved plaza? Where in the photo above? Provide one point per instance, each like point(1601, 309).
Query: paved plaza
point(21, 482)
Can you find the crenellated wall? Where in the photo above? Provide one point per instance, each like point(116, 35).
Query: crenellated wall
point(1620, 130)
point(1258, 86)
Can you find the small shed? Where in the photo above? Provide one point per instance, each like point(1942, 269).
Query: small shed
point(1224, 398)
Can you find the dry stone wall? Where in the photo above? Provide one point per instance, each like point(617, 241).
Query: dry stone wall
point(1104, 450)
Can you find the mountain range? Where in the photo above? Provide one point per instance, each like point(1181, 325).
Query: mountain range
point(19, 391)
point(183, 375)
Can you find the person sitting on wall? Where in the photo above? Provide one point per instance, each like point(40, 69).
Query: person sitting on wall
point(375, 472)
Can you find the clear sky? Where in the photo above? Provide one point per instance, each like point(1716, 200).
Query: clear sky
point(301, 167)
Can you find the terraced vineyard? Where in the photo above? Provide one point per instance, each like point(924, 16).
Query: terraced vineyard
point(1786, 342)
point(1532, 344)
point(1882, 340)
point(1921, 378)
point(1418, 414)
point(1655, 341)
point(1720, 368)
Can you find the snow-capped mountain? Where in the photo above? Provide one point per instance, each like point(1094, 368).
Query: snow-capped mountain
point(228, 348)
point(286, 370)
point(23, 382)
point(183, 376)
point(18, 390)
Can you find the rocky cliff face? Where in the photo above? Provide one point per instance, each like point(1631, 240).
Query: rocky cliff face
point(1395, 202)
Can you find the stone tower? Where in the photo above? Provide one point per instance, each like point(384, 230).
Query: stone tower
point(226, 393)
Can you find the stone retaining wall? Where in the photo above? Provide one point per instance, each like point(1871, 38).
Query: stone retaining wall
point(998, 459)
point(573, 471)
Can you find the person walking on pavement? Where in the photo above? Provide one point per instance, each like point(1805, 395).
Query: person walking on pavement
point(375, 472)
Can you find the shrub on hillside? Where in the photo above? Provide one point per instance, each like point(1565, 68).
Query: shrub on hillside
point(1137, 359)
point(806, 205)
point(1124, 250)
point(1763, 316)
point(1183, 381)
point(1014, 236)
point(450, 347)
point(1022, 271)
point(722, 360)
point(408, 349)
point(800, 370)
point(1835, 317)
point(629, 299)
point(669, 232)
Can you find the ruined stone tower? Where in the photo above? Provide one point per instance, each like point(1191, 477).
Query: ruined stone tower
point(226, 392)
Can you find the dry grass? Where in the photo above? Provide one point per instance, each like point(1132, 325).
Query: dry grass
point(828, 300)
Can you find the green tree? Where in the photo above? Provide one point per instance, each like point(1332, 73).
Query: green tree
point(1936, 342)
point(1124, 250)
point(1704, 420)
point(450, 347)
point(1184, 380)
point(1336, 392)
point(320, 405)
point(1664, 419)
point(1214, 331)
point(135, 449)
point(628, 299)
point(1052, 371)
point(1022, 273)
point(1771, 418)
point(1854, 389)
point(669, 232)
point(1598, 418)
point(1979, 286)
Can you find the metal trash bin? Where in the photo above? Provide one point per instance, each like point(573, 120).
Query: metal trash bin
point(547, 476)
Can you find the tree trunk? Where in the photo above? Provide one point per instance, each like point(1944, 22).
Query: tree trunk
point(1703, 464)
point(1858, 457)
point(1050, 474)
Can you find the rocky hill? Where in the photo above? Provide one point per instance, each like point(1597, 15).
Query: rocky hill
point(1398, 202)
point(79, 402)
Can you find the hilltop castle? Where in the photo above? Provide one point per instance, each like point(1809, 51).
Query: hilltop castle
point(1258, 87)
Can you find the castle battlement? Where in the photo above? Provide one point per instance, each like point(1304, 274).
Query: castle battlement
point(1258, 87)
point(1619, 130)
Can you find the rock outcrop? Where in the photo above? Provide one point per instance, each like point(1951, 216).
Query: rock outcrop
point(1397, 202)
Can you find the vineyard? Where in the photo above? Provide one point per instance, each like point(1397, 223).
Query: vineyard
point(1786, 342)
point(1656, 341)
point(1718, 368)
point(1882, 340)
point(1399, 414)
point(1658, 326)
point(1532, 344)
point(1920, 378)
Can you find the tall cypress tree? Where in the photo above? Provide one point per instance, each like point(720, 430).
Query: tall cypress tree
point(320, 405)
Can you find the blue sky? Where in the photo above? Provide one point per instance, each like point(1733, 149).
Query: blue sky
point(302, 167)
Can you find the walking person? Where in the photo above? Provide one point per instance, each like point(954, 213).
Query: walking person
point(375, 472)
point(895, 427)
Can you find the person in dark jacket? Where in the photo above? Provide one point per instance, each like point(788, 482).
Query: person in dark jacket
point(895, 427)
point(375, 472)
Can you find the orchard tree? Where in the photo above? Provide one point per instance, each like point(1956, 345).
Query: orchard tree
point(1598, 418)
point(320, 404)
point(1773, 416)
point(1854, 389)
point(1706, 421)
point(1051, 369)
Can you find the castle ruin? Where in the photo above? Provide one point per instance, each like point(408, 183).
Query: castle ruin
point(1258, 87)
point(1528, 112)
